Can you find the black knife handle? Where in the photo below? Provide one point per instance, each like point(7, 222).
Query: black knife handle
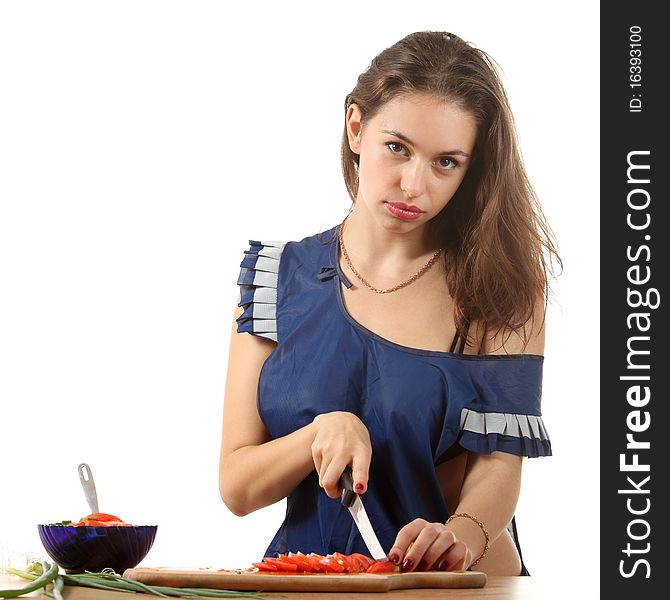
point(347, 495)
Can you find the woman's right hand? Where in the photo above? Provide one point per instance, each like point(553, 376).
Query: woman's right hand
point(341, 439)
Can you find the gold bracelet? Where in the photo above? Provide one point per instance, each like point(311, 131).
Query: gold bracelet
point(481, 526)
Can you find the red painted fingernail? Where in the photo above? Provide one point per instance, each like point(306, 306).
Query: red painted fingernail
point(422, 566)
point(360, 487)
point(407, 565)
point(442, 566)
point(394, 558)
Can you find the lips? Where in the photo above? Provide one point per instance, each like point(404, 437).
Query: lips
point(406, 212)
point(407, 207)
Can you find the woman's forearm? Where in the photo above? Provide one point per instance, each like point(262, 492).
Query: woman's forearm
point(253, 477)
point(490, 493)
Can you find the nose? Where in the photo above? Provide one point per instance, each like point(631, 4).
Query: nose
point(413, 180)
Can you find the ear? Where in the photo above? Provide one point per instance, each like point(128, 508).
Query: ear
point(354, 127)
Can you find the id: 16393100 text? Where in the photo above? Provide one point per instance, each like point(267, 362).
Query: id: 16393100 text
point(635, 68)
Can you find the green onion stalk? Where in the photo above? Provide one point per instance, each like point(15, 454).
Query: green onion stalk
point(44, 574)
point(47, 575)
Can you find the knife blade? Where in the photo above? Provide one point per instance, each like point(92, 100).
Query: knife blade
point(353, 502)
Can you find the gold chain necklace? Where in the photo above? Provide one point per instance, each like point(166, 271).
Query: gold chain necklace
point(413, 278)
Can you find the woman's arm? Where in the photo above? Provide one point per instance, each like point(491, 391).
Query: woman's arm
point(492, 482)
point(489, 491)
point(254, 470)
point(502, 557)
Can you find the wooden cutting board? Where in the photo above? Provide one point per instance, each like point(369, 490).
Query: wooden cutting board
point(306, 582)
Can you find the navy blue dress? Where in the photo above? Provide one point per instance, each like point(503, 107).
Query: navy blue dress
point(421, 407)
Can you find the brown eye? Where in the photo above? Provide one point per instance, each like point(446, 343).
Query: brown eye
point(447, 163)
point(395, 147)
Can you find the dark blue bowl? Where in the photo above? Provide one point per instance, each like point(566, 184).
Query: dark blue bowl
point(88, 548)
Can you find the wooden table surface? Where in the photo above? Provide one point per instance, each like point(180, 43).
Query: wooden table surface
point(497, 588)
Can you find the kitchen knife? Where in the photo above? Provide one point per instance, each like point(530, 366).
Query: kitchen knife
point(353, 502)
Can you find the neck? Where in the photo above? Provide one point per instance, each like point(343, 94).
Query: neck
point(376, 250)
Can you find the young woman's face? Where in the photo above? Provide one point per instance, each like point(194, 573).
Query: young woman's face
point(414, 154)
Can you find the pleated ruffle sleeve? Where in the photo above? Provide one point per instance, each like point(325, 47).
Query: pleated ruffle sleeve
point(259, 272)
point(502, 410)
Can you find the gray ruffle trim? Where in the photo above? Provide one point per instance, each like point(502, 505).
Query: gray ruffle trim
point(258, 289)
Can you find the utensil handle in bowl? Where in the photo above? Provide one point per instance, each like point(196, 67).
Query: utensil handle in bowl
point(87, 482)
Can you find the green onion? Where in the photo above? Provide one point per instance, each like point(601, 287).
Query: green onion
point(58, 588)
point(49, 573)
point(114, 582)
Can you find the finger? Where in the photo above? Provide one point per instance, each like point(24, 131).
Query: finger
point(360, 470)
point(432, 541)
point(435, 553)
point(404, 540)
point(317, 457)
point(330, 479)
point(455, 558)
point(325, 461)
point(318, 460)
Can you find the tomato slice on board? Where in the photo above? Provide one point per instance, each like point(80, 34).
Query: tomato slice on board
point(383, 566)
point(297, 562)
point(281, 564)
point(316, 562)
point(332, 564)
point(312, 561)
point(362, 562)
point(301, 560)
point(293, 560)
point(349, 564)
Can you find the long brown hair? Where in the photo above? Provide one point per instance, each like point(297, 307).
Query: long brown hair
point(500, 249)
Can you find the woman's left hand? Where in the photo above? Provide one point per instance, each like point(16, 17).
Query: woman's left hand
point(423, 546)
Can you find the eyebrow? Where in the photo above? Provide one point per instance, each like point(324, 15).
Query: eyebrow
point(404, 138)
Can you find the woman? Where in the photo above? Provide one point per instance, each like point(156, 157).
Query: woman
point(407, 341)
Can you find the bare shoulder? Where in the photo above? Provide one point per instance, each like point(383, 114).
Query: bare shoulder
point(241, 423)
point(527, 340)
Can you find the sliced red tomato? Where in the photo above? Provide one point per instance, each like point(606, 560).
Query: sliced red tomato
point(263, 566)
point(291, 560)
point(297, 562)
point(281, 564)
point(362, 561)
point(349, 564)
point(383, 566)
point(316, 562)
point(301, 560)
point(332, 564)
point(312, 561)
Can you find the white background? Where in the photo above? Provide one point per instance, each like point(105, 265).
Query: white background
point(142, 144)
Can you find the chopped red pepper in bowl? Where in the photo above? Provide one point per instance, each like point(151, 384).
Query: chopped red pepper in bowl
point(99, 520)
